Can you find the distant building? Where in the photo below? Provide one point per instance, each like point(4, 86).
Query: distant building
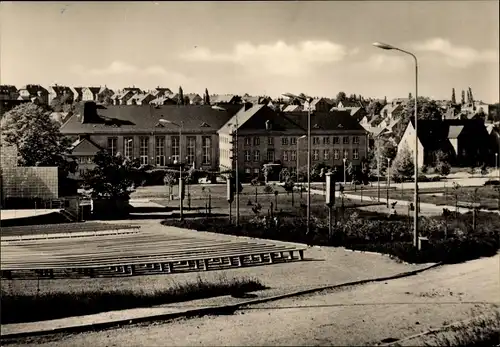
point(34, 93)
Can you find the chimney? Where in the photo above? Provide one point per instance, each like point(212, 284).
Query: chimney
point(88, 112)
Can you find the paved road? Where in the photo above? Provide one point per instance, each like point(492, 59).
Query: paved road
point(361, 315)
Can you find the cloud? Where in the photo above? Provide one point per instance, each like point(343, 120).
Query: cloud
point(127, 73)
point(456, 56)
point(278, 58)
point(383, 63)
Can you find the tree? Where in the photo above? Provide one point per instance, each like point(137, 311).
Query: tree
point(186, 101)
point(105, 96)
point(266, 170)
point(471, 98)
point(453, 98)
point(374, 108)
point(112, 178)
point(462, 101)
point(169, 180)
point(385, 100)
point(180, 96)
point(403, 166)
point(206, 97)
point(410, 96)
point(37, 138)
point(341, 96)
point(284, 175)
point(57, 104)
point(384, 148)
point(443, 166)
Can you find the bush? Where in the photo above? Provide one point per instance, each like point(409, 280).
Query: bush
point(450, 241)
point(492, 183)
point(268, 189)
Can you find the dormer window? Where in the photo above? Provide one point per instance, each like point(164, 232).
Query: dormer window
point(316, 126)
point(204, 125)
point(159, 125)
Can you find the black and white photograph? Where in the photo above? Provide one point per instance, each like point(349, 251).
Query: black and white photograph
point(250, 173)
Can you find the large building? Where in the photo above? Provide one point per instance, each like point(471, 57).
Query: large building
point(269, 137)
point(139, 132)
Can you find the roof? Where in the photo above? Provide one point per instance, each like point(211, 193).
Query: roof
point(336, 120)
point(390, 108)
point(94, 90)
point(145, 118)
point(374, 131)
point(84, 147)
point(33, 89)
point(435, 134)
point(59, 90)
point(255, 118)
point(454, 131)
point(222, 98)
point(7, 89)
point(293, 108)
point(349, 103)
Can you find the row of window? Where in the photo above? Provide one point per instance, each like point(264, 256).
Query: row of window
point(159, 150)
point(285, 141)
point(292, 155)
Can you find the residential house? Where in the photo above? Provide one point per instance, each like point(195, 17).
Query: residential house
point(91, 93)
point(60, 92)
point(350, 104)
point(34, 93)
point(194, 99)
point(122, 97)
point(9, 98)
point(77, 93)
point(357, 113)
point(159, 92)
point(293, 108)
point(257, 100)
point(392, 111)
point(83, 151)
point(163, 100)
point(466, 141)
point(140, 99)
point(136, 132)
point(222, 99)
point(317, 104)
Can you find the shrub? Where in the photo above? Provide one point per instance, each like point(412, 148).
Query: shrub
point(268, 189)
point(492, 183)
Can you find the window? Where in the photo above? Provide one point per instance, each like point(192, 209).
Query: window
point(256, 171)
point(315, 154)
point(326, 140)
point(144, 150)
point(90, 160)
point(256, 155)
point(284, 141)
point(293, 155)
point(247, 155)
point(326, 154)
point(82, 172)
point(355, 140)
point(285, 156)
point(355, 154)
point(336, 154)
point(256, 141)
point(248, 141)
point(191, 149)
point(345, 140)
point(315, 140)
point(112, 141)
point(293, 140)
point(248, 171)
point(175, 149)
point(346, 154)
point(270, 155)
point(336, 140)
point(160, 151)
point(207, 149)
point(128, 145)
point(270, 141)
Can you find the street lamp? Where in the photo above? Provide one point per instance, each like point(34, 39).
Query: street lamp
point(344, 160)
point(298, 140)
point(165, 121)
point(307, 99)
point(415, 197)
point(236, 178)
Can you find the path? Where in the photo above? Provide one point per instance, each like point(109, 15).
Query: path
point(360, 315)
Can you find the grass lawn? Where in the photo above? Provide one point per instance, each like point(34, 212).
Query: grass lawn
point(487, 196)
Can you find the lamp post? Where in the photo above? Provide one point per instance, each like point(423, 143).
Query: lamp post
point(298, 140)
point(308, 100)
point(496, 164)
point(415, 197)
point(235, 156)
point(344, 160)
point(181, 186)
point(388, 179)
point(378, 177)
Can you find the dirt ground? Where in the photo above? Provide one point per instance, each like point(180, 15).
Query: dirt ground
point(359, 315)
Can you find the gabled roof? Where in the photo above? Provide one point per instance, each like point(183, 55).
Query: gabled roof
point(293, 108)
point(33, 89)
point(454, 131)
point(8, 89)
point(223, 98)
point(143, 119)
point(84, 147)
point(336, 120)
point(349, 103)
point(255, 118)
point(60, 90)
point(94, 90)
point(375, 131)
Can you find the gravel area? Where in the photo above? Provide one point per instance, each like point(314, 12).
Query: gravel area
point(359, 315)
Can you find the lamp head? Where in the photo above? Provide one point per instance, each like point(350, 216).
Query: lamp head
point(383, 45)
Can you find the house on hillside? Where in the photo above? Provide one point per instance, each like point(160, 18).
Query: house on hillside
point(9, 98)
point(34, 93)
point(91, 93)
point(358, 113)
point(77, 93)
point(60, 92)
point(163, 100)
point(220, 99)
point(191, 98)
point(159, 92)
point(467, 141)
point(140, 99)
point(391, 111)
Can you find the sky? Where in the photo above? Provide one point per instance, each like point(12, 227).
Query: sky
point(260, 48)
